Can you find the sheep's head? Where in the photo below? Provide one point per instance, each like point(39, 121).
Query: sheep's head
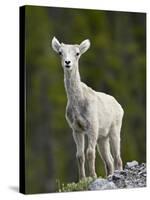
point(69, 53)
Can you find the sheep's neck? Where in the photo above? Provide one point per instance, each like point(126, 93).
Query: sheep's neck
point(73, 85)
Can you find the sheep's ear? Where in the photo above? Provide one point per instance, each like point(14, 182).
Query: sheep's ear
point(55, 44)
point(84, 46)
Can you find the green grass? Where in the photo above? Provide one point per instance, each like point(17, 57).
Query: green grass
point(82, 185)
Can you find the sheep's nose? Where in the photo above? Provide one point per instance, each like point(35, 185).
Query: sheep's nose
point(67, 62)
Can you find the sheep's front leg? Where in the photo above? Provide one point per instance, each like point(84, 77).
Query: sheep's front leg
point(79, 140)
point(91, 155)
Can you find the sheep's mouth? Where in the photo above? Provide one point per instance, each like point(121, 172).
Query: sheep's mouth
point(67, 66)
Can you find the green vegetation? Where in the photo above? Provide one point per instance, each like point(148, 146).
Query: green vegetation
point(115, 64)
point(82, 185)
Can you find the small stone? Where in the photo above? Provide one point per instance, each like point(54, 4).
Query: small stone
point(143, 165)
point(124, 173)
point(116, 177)
point(131, 164)
point(117, 172)
point(140, 184)
point(102, 184)
point(142, 172)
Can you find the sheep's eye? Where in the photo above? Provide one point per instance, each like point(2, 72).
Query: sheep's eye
point(77, 54)
point(60, 53)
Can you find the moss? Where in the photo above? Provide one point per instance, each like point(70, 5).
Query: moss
point(82, 185)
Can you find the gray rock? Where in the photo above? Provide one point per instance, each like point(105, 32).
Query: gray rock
point(131, 164)
point(102, 184)
point(116, 177)
point(133, 176)
point(142, 172)
point(124, 173)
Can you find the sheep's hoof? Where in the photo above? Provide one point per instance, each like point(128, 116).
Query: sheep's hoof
point(93, 175)
point(82, 178)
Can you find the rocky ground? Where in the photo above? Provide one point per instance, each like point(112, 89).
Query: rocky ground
point(133, 176)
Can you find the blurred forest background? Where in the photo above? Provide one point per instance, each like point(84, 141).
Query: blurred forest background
point(115, 64)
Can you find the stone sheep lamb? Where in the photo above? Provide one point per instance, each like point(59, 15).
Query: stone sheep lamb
point(91, 113)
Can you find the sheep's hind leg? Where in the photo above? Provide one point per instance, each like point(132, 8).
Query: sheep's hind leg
point(115, 145)
point(79, 140)
point(104, 151)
